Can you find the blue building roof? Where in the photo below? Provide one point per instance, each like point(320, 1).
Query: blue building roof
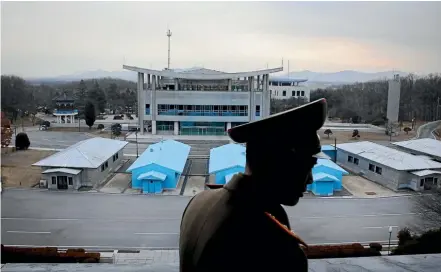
point(169, 154)
point(153, 175)
point(328, 148)
point(330, 164)
point(323, 177)
point(226, 156)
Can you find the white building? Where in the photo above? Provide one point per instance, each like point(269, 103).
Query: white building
point(86, 163)
point(285, 87)
point(200, 101)
point(389, 167)
point(426, 147)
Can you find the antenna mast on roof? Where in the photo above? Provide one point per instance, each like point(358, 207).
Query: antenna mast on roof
point(169, 34)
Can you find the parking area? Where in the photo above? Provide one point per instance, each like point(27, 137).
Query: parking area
point(117, 184)
point(361, 187)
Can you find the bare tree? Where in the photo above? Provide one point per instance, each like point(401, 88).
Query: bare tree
point(428, 207)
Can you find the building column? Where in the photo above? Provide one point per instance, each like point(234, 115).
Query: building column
point(176, 128)
point(176, 84)
point(141, 106)
point(228, 126)
point(267, 96)
point(230, 83)
point(252, 108)
point(153, 110)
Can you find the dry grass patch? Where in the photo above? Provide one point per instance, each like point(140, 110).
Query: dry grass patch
point(346, 136)
point(17, 169)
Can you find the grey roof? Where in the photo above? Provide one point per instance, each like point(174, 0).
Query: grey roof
point(63, 97)
point(388, 156)
point(90, 153)
point(427, 146)
point(206, 74)
point(423, 173)
point(62, 170)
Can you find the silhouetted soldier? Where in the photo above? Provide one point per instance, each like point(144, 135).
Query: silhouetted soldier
point(242, 226)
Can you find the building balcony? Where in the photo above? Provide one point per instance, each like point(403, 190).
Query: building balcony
point(65, 111)
point(203, 113)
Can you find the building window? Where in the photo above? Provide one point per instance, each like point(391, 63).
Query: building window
point(350, 159)
point(298, 93)
point(116, 155)
point(371, 167)
point(113, 157)
point(378, 170)
point(284, 93)
point(70, 180)
point(356, 161)
point(54, 180)
point(303, 93)
point(106, 164)
point(422, 182)
point(293, 93)
point(102, 167)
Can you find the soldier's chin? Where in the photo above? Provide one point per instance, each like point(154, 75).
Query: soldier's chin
point(292, 201)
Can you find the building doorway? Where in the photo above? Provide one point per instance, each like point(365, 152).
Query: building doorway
point(62, 182)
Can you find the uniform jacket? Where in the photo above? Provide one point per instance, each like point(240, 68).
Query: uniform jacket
point(228, 229)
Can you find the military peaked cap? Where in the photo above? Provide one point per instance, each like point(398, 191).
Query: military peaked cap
point(294, 129)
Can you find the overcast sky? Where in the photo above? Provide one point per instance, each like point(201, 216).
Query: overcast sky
point(58, 38)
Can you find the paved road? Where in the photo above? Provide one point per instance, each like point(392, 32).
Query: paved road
point(426, 130)
point(60, 140)
point(93, 220)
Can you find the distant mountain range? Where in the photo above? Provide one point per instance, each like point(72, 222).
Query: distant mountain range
point(347, 76)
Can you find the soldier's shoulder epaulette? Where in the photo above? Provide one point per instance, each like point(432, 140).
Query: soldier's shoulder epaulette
point(285, 228)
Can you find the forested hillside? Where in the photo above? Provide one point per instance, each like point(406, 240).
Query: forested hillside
point(419, 97)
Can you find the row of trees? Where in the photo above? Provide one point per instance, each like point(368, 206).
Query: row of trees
point(418, 99)
point(20, 98)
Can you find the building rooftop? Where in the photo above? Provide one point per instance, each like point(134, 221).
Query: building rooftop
point(63, 97)
point(427, 146)
point(285, 79)
point(62, 170)
point(327, 147)
point(324, 177)
point(423, 173)
point(226, 156)
point(90, 153)
point(388, 156)
point(201, 73)
point(170, 154)
point(330, 164)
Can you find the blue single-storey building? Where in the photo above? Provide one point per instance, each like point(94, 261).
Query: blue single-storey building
point(327, 178)
point(226, 161)
point(330, 151)
point(159, 167)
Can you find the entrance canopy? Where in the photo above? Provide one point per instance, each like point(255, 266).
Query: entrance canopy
point(152, 175)
point(62, 170)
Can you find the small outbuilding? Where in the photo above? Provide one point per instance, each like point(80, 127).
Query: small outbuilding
point(86, 163)
point(226, 161)
point(159, 167)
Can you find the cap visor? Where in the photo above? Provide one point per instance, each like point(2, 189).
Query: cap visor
point(321, 155)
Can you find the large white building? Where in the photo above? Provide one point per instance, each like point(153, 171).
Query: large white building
point(389, 167)
point(286, 87)
point(200, 101)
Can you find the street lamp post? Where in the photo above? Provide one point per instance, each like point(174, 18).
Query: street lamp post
point(136, 136)
point(390, 236)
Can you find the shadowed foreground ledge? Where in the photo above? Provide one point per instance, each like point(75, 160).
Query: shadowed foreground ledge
point(420, 263)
